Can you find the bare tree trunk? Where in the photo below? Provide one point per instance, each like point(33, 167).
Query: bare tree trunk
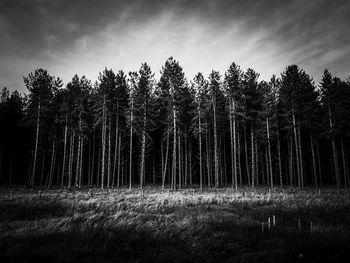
point(42, 169)
point(297, 151)
point(98, 162)
point(11, 165)
point(143, 149)
point(1, 155)
point(200, 153)
point(267, 167)
point(224, 180)
point(257, 162)
point(180, 163)
point(104, 131)
point(81, 160)
point(269, 148)
point(64, 151)
point(89, 162)
point(246, 154)
point(233, 145)
point(345, 170)
point(154, 168)
point(252, 154)
point(166, 160)
point(130, 149)
point(78, 163)
point(109, 154)
point(313, 161)
point(162, 157)
point(208, 159)
point(185, 162)
point(216, 158)
point(239, 158)
point(190, 163)
point(115, 147)
point(119, 159)
point(290, 147)
point(301, 157)
point(36, 144)
point(279, 158)
point(93, 159)
point(335, 156)
point(70, 165)
point(52, 166)
point(319, 165)
point(174, 149)
point(231, 140)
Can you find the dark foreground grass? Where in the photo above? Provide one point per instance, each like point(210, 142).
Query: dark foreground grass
point(155, 225)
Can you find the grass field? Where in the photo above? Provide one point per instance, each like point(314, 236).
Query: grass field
point(157, 225)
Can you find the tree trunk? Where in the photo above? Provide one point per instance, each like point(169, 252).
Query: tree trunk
point(93, 159)
point(301, 156)
point(233, 145)
point(290, 148)
point(42, 169)
point(52, 166)
point(1, 156)
point(81, 160)
point(174, 149)
point(143, 149)
point(119, 159)
point(208, 159)
point(109, 154)
point(36, 144)
point(104, 131)
point(252, 154)
point(216, 157)
point(11, 165)
point(297, 151)
point(319, 165)
point(239, 158)
point(115, 146)
point(190, 163)
point(269, 148)
point(70, 164)
point(346, 178)
point(185, 161)
point(279, 158)
point(335, 156)
point(64, 151)
point(166, 160)
point(313, 161)
point(130, 149)
point(180, 162)
point(246, 154)
point(257, 162)
point(77, 169)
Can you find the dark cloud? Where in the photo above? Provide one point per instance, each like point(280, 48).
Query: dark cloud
point(42, 32)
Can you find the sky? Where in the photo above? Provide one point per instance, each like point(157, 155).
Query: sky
point(83, 37)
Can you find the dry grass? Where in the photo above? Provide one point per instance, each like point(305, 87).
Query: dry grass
point(174, 226)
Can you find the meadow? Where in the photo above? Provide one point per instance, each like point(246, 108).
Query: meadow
point(156, 225)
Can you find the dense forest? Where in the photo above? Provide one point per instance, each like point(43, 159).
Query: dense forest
point(131, 130)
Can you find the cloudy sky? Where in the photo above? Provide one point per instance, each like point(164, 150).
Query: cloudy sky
point(67, 37)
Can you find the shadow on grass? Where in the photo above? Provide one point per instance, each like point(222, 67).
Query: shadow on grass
point(216, 242)
point(114, 245)
point(30, 210)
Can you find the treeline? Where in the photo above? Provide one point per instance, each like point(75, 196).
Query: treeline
point(132, 130)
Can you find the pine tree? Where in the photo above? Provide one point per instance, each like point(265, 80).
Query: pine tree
point(233, 79)
point(41, 87)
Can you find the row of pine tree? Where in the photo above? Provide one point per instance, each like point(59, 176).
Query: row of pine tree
point(130, 130)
